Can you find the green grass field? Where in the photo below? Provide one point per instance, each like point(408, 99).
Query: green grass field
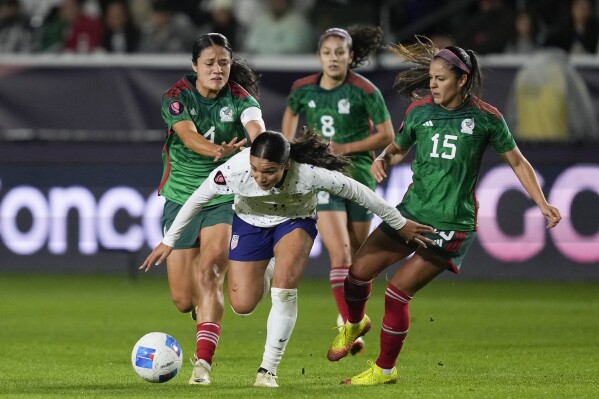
point(72, 336)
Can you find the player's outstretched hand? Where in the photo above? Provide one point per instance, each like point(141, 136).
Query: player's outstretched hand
point(229, 148)
point(379, 169)
point(412, 231)
point(157, 256)
point(552, 215)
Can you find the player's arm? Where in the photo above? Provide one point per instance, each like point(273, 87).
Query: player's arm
point(188, 133)
point(391, 155)
point(528, 178)
point(289, 123)
point(339, 184)
point(381, 138)
point(188, 211)
point(252, 121)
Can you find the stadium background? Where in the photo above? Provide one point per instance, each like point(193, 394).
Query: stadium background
point(80, 162)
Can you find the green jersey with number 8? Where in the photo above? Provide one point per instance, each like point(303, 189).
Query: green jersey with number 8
point(449, 149)
point(217, 119)
point(344, 114)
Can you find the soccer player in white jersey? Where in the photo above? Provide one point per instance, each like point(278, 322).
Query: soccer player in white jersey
point(275, 183)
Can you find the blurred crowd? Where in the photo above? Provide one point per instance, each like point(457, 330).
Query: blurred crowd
point(292, 26)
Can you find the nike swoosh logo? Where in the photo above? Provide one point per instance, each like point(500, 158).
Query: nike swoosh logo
point(283, 340)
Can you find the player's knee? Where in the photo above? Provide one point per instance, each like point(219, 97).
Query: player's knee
point(183, 304)
point(243, 310)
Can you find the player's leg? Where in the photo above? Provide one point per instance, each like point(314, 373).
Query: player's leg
point(179, 264)
point(246, 285)
point(181, 276)
point(377, 253)
point(416, 273)
point(332, 226)
point(359, 221)
point(250, 256)
point(210, 268)
point(294, 241)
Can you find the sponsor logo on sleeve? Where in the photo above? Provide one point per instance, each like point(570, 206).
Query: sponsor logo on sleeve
point(220, 178)
point(176, 108)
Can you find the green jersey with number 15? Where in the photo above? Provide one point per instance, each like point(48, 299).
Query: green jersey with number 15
point(216, 119)
point(344, 114)
point(449, 149)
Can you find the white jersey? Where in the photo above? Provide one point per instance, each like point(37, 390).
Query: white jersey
point(294, 199)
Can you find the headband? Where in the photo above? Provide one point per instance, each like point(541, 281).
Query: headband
point(335, 32)
point(453, 59)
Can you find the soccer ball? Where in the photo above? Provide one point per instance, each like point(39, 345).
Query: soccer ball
point(156, 357)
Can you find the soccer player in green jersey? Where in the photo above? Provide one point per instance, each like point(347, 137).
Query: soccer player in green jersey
point(349, 111)
point(450, 129)
point(207, 115)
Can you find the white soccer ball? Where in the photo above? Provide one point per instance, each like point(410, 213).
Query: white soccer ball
point(156, 357)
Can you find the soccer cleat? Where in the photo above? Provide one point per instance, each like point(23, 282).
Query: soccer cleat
point(201, 372)
point(358, 345)
point(265, 378)
point(343, 342)
point(373, 376)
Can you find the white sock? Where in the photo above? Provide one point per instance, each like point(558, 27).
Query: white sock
point(268, 273)
point(386, 371)
point(279, 326)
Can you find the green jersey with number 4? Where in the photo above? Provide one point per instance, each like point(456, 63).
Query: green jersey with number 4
point(344, 114)
point(216, 119)
point(449, 149)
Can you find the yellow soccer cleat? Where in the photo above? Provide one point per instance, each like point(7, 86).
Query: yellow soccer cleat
point(373, 376)
point(343, 342)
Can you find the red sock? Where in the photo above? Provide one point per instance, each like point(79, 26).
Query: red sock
point(396, 322)
point(337, 277)
point(206, 340)
point(356, 295)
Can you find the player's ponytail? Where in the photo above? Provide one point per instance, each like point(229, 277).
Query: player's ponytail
point(310, 148)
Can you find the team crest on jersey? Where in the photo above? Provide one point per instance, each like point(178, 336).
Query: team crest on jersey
point(343, 106)
point(234, 241)
point(467, 126)
point(220, 179)
point(226, 114)
point(176, 108)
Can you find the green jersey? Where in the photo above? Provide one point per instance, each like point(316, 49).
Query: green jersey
point(344, 114)
point(216, 119)
point(449, 149)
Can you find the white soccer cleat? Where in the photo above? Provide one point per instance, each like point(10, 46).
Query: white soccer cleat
point(201, 372)
point(265, 378)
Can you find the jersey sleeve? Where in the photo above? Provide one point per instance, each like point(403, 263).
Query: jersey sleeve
point(376, 107)
point(339, 184)
point(406, 135)
point(501, 138)
point(294, 103)
point(175, 109)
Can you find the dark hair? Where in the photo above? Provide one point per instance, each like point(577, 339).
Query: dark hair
point(241, 72)
point(308, 148)
point(421, 53)
point(365, 41)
